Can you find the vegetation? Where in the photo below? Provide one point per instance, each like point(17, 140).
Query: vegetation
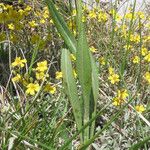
point(74, 76)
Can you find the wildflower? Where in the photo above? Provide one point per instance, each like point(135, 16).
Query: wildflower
point(140, 15)
point(21, 11)
point(140, 108)
point(19, 62)
point(16, 78)
point(41, 75)
point(135, 38)
point(102, 17)
point(128, 47)
point(114, 78)
point(51, 21)
point(118, 17)
point(102, 61)
point(144, 51)
point(32, 88)
point(123, 94)
point(111, 70)
point(120, 98)
point(136, 60)
point(2, 6)
point(28, 8)
point(42, 21)
point(45, 15)
point(117, 101)
point(74, 73)
point(42, 66)
point(147, 57)
point(74, 12)
point(59, 75)
point(92, 14)
point(11, 26)
point(147, 77)
point(129, 16)
point(83, 19)
point(73, 58)
point(93, 49)
point(32, 24)
point(50, 89)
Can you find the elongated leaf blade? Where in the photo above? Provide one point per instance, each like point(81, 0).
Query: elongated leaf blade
point(66, 34)
point(95, 93)
point(70, 86)
point(84, 68)
point(62, 26)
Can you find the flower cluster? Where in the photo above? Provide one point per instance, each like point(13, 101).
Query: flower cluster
point(32, 84)
point(113, 77)
point(121, 97)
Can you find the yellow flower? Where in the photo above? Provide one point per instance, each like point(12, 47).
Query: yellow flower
point(73, 58)
point(120, 98)
point(28, 8)
point(32, 24)
point(140, 108)
point(128, 47)
point(144, 51)
point(42, 66)
point(45, 15)
point(50, 89)
point(74, 73)
point(118, 17)
point(140, 15)
point(32, 88)
point(147, 77)
point(102, 61)
point(93, 49)
point(129, 16)
point(114, 78)
point(19, 62)
point(42, 21)
point(92, 14)
point(136, 60)
point(83, 19)
point(122, 94)
point(41, 75)
point(117, 101)
point(21, 11)
point(102, 17)
point(111, 70)
point(147, 57)
point(74, 12)
point(59, 75)
point(51, 21)
point(11, 26)
point(16, 78)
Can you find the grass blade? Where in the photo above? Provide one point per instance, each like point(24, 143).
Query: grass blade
point(140, 144)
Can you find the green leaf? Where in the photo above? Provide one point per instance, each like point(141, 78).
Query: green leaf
point(90, 74)
point(62, 27)
point(84, 68)
point(70, 86)
point(95, 93)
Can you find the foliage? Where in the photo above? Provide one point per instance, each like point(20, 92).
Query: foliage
point(53, 55)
